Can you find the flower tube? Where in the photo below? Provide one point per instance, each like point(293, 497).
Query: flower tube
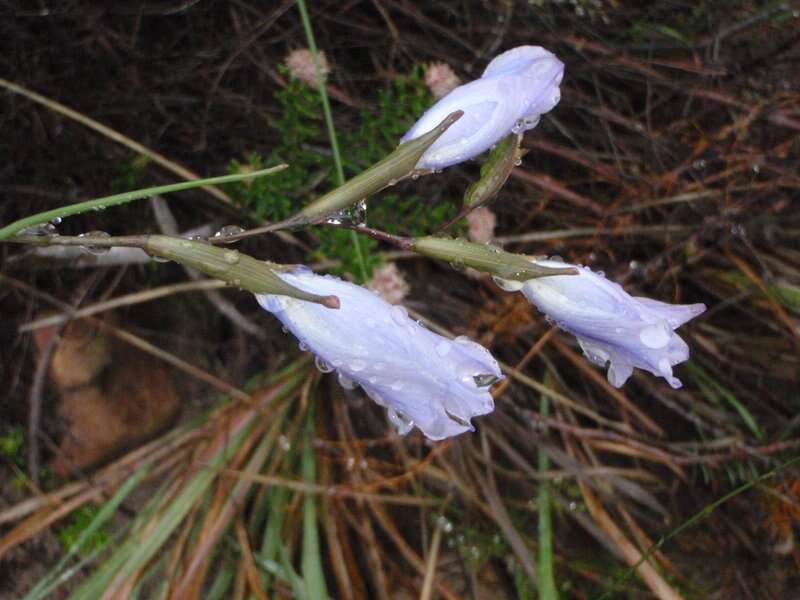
point(423, 379)
point(613, 328)
point(516, 88)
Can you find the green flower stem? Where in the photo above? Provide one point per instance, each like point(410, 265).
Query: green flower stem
point(396, 166)
point(107, 201)
point(228, 265)
point(326, 109)
point(483, 257)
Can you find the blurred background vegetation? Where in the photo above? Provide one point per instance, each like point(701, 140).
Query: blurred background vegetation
point(178, 444)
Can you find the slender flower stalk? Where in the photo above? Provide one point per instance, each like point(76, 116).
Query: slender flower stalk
point(613, 328)
point(516, 88)
point(423, 379)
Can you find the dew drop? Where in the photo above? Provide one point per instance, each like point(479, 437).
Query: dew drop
point(458, 264)
point(508, 285)
point(443, 348)
point(531, 122)
point(302, 346)
point(227, 231)
point(358, 365)
point(445, 524)
point(346, 382)
point(98, 250)
point(322, 365)
point(284, 443)
point(45, 230)
point(231, 256)
point(56, 220)
point(400, 315)
point(654, 336)
point(403, 424)
point(397, 385)
point(485, 379)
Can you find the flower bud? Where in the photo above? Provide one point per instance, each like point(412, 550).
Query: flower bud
point(514, 91)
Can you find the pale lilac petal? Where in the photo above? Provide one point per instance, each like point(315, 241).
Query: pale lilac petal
point(515, 89)
point(614, 328)
point(422, 378)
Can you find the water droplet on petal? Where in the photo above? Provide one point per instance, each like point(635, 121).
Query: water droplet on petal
point(322, 365)
point(508, 285)
point(400, 315)
point(485, 379)
point(358, 365)
point(403, 424)
point(654, 336)
point(397, 385)
point(302, 346)
point(346, 382)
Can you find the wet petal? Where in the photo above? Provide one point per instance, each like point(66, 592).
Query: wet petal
point(614, 328)
point(422, 378)
point(515, 89)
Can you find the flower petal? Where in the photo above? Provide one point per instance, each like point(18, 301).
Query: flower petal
point(514, 90)
point(422, 378)
point(612, 327)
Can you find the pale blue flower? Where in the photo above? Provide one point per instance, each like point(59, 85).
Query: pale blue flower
point(516, 88)
point(614, 328)
point(422, 378)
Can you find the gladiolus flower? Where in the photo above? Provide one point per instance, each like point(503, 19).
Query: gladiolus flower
point(613, 328)
point(423, 379)
point(514, 91)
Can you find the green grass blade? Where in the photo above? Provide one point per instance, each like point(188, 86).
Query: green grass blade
point(546, 580)
point(312, 558)
point(117, 199)
point(56, 576)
